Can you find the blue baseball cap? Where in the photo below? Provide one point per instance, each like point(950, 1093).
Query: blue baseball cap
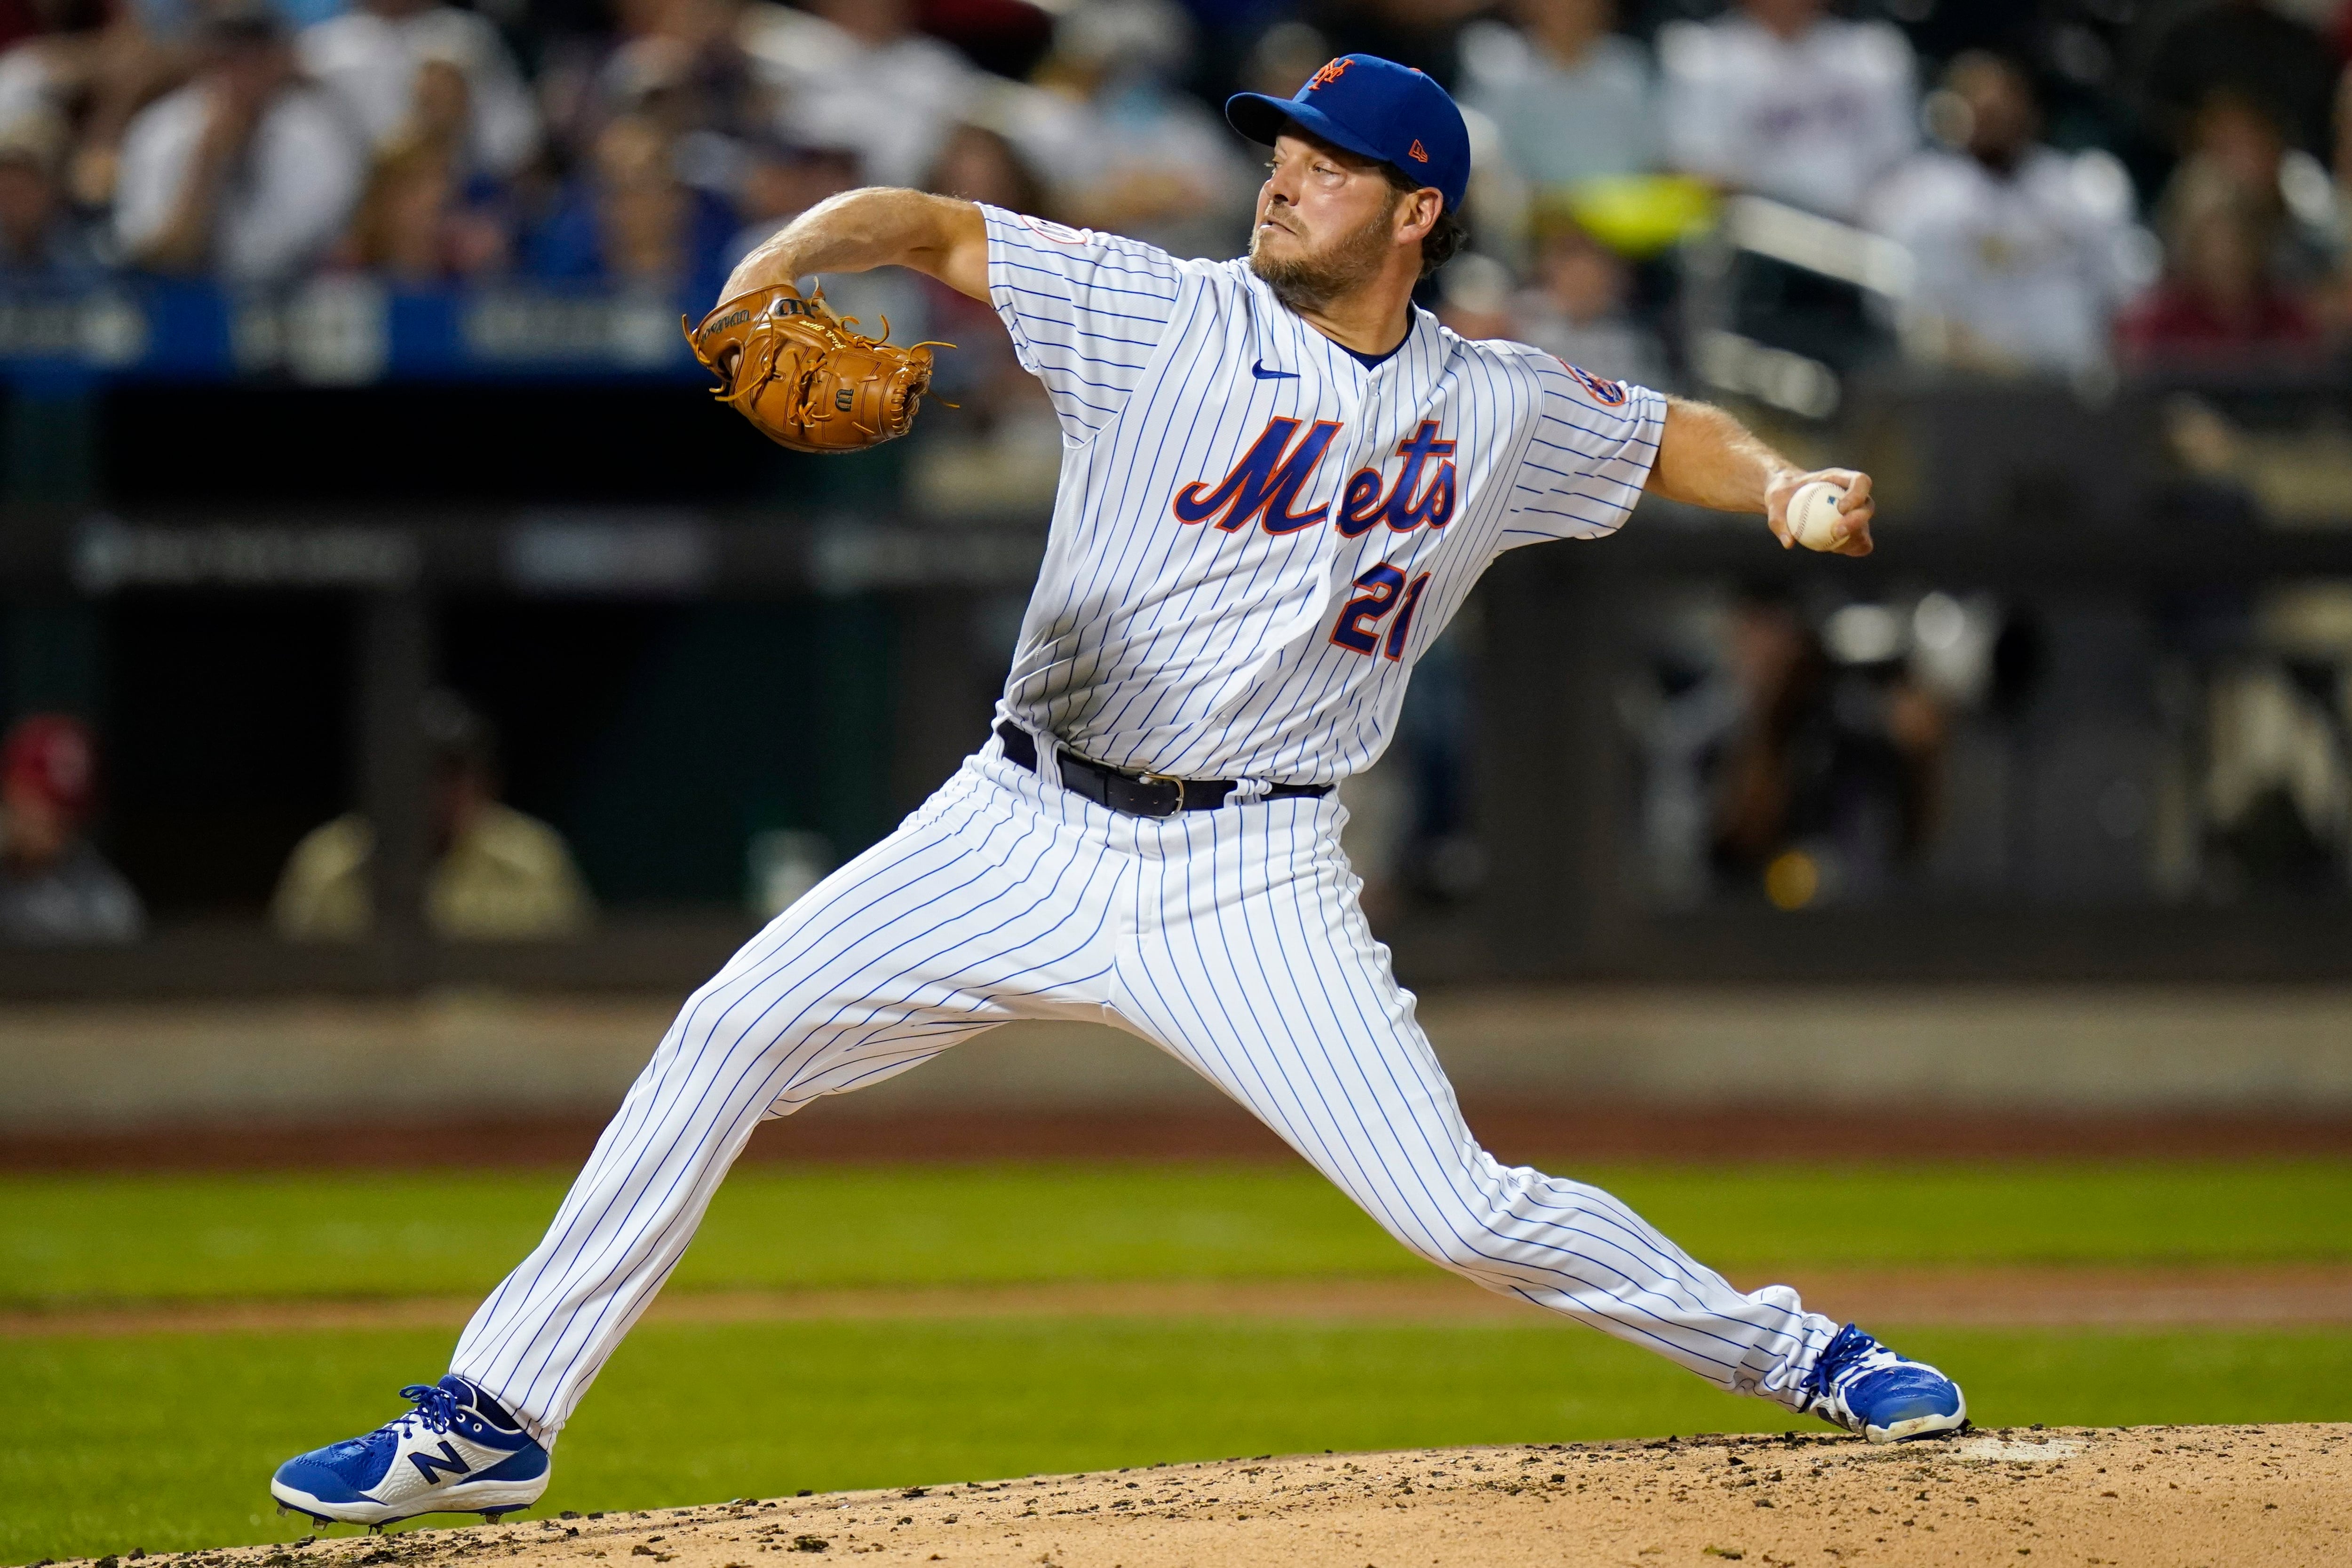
point(1375, 109)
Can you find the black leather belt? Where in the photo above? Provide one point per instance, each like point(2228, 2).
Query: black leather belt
point(1137, 794)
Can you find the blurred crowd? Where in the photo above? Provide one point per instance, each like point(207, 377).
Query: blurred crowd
point(493, 874)
point(55, 886)
point(1806, 749)
point(2053, 188)
point(2068, 177)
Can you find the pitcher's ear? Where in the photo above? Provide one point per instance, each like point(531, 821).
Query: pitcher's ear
point(1424, 207)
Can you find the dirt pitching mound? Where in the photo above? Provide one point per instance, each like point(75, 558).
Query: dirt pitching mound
point(2197, 1497)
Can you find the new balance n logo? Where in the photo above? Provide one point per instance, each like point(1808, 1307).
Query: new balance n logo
point(427, 1464)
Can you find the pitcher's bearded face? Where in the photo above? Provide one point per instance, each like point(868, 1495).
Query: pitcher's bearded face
point(1326, 225)
point(1304, 274)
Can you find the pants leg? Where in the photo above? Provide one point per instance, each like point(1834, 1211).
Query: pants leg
point(1252, 963)
point(989, 903)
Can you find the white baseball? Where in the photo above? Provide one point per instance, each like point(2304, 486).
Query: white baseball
point(1813, 514)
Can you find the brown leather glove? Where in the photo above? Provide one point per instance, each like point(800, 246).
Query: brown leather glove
point(803, 376)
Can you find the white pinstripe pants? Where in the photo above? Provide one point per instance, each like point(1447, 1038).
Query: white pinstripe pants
point(1230, 938)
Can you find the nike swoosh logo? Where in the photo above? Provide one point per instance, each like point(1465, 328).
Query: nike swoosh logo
point(1262, 374)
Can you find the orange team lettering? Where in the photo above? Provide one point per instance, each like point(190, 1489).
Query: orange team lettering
point(1331, 72)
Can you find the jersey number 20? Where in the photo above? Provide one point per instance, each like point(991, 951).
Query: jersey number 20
point(1378, 596)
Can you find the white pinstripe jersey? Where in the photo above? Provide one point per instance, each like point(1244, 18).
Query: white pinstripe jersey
point(1255, 535)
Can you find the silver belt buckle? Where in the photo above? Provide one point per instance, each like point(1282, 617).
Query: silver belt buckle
point(1164, 778)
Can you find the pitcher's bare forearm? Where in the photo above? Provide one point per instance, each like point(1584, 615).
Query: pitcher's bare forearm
point(1708, 458)
point(860, 230)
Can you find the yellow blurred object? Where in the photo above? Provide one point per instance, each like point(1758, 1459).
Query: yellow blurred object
point(1793, 880)
point(1637, 216)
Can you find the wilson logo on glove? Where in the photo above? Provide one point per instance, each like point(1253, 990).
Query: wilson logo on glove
point(803, 377)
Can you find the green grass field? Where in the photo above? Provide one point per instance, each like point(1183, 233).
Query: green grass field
point(164, 1441)
point(66, 1239)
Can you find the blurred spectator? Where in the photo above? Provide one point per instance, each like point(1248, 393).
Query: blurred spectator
point(1781, 98)
point(1283, 56)
point(248, 170)
point(685, 67)
point(1579, 308)
point(2245, 48)
point(632, 220)
point(94, 64)
point(2233, 140)
point(1824, 781)
point(780, 183)
point(1474, 298)
point(39, 236)
point(497, 875)
point(855, 73)
point(999, 451)
point(2022, 253)
point(1572, 98)
point(981, 165)
point(2278, 790)
point(54, 887)
point(1575, 307)
point(2218, 297)
point(374, 58)
point(1125, 150)
point(421, 219)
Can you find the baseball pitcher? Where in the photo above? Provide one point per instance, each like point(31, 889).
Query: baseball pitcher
point(1279, 479)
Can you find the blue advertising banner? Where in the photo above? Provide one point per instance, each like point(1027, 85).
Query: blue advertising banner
point(339, 331)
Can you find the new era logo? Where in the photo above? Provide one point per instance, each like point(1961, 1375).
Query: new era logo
point(1330, 73)
point(1420, 153)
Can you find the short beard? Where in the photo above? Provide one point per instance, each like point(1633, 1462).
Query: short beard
point(1314, 281)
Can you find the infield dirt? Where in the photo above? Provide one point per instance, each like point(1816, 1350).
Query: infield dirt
point(2151, 1497)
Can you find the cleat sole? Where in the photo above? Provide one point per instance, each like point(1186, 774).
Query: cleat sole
point(484, 1498)
point(1920, 1427)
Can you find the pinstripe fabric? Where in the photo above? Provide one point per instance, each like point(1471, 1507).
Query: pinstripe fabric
point(1173, 634)
point(1231, 938)
point(1207, 653)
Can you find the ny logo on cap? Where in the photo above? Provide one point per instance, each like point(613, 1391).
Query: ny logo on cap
point(1330, 73)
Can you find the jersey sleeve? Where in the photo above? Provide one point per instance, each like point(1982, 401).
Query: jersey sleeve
point(1086, 311)
point(1586, 459)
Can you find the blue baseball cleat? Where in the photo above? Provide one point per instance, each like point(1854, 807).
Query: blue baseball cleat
point(457, 1452)
point(1860, 1385)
